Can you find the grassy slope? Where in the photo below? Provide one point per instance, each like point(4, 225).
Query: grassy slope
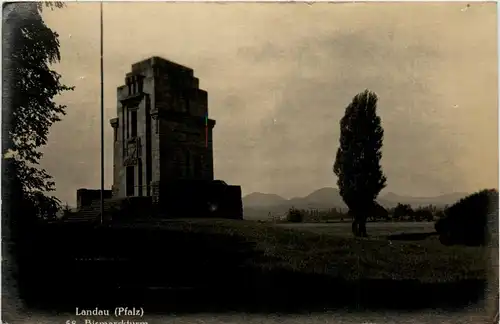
point(351, 258)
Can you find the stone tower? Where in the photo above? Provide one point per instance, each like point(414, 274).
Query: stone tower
point(162, 150)
point(162, 132)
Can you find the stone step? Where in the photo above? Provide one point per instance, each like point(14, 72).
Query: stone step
point(92, 212)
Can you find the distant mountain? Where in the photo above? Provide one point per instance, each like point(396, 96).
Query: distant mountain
point(322, 198)
point(259, 205)
point(258, 199)
point(393, 199)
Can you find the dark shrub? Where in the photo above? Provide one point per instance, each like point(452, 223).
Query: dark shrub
point(423, 213)
point(294, 215)
point(440, 225)
point(466, 222)
point(378, 212)
point(439, 213)
point(402, 211)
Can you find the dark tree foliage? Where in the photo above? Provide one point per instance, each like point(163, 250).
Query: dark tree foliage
point(469, 220)
point(30, 85)
point(378, 212)
point(295, 215)
point(423, 213)
point(439, 213)
point(29, 47)
point(402, 210)
point(357, 163)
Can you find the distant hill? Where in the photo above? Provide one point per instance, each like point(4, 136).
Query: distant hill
point(259, 205)
point(322, 198)
point(258, 199)
point(393, 199)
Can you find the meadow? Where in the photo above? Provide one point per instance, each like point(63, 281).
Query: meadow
point(209, 265)
point(377, 230)
point(404, 251)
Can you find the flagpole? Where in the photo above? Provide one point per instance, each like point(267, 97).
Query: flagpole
point(102, 123)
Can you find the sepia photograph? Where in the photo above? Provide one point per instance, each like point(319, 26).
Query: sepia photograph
point(249, 162)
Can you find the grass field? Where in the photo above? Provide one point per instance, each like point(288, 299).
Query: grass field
point(220, 265)
point(377, 230)
point(331, 249)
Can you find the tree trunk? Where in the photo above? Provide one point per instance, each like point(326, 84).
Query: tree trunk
point(355, 222)
point(359, 222)
point(355, 227)
point(362, 225)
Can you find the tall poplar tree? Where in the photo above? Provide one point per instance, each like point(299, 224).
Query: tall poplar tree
point(357, 164)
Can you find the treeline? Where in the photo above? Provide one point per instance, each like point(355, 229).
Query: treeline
point(429, 213)
point(402, 212)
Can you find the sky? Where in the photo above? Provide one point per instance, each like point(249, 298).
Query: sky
point(279, 77)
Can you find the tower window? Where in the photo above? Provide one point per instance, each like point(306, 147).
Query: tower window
point(127, 122)
point(134, 123)
point(130, 181)
point(140, 84)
